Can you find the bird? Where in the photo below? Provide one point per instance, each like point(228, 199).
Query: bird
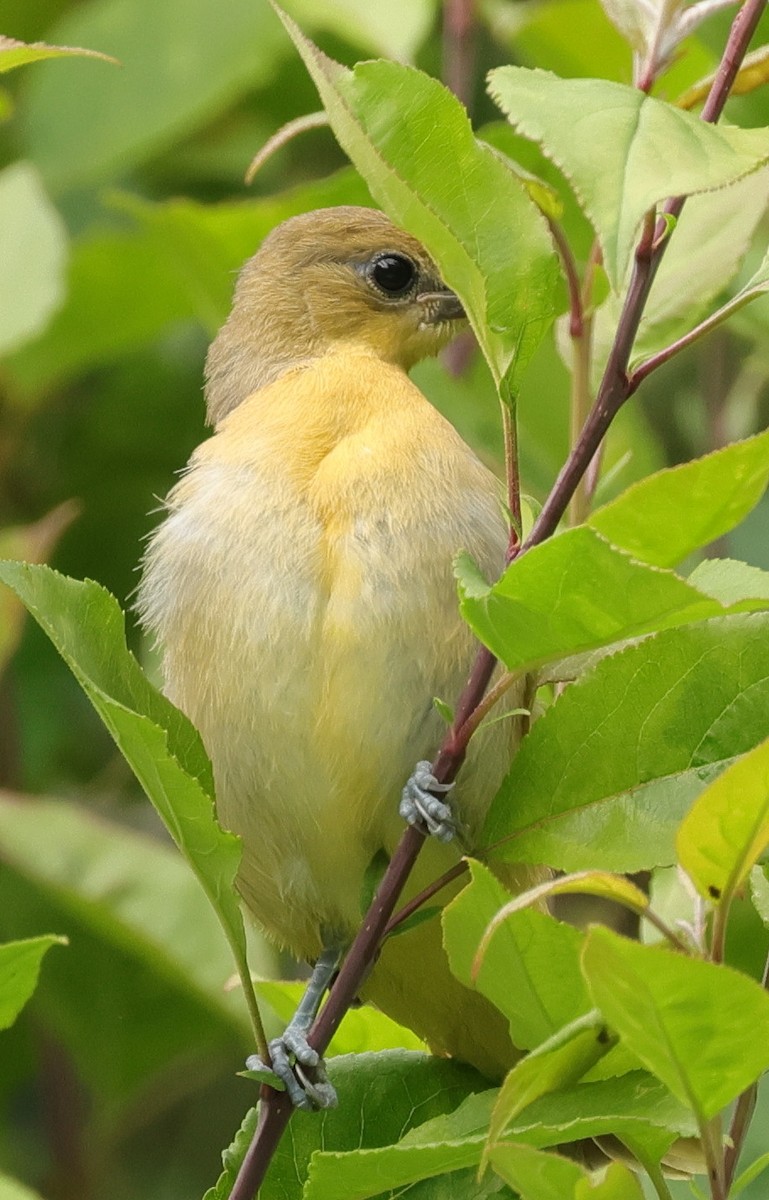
point(301, 590)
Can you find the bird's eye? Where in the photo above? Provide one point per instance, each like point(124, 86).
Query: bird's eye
point(393, 274)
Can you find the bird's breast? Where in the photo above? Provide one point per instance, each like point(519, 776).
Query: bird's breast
point(305, 600)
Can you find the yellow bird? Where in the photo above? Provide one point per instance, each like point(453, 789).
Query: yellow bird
point(301, 588)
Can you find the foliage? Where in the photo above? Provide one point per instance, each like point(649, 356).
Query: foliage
point(121, 221)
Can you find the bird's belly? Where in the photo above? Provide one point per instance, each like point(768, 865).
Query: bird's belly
point(314, 701)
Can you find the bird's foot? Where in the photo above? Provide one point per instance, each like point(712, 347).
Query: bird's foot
point(419, 804)
point(300, 1069)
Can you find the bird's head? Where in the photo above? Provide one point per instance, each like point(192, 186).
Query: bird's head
point(325, 279)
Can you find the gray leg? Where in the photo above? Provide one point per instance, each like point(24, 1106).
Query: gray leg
point(418, 804)
point(305, 1081)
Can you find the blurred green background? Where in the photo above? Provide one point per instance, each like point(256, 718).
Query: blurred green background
point(123, 219)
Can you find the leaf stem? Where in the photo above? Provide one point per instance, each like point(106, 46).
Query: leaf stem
point(718, 934)
point(741, 1118)
point(710, 1136)
point(456, 872)
point(576, 302)
point(658, 1181)
point(484, 706)
point(687, 339)
point(662, 927)
point(255, 1016)
point(282, 137)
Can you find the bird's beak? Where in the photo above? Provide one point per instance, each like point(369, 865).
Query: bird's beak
point(441, 306)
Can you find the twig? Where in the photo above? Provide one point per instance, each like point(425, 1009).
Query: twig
point(484, 706)
point(687, 339)
point(285, 134)
point(459, 49)
point(712, 1145)
point(576, 299)
point(742, 1116)
point(456, 872)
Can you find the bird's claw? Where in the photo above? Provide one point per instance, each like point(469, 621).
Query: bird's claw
point(419, 804)
point(305, 1079)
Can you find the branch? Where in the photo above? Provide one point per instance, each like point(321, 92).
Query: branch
point(742, 1116)
point(459, 48)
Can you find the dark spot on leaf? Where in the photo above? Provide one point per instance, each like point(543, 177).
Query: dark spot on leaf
point(603, 1036)
point(714, 891)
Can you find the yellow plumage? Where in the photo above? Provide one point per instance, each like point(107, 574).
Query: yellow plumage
point(301, 587)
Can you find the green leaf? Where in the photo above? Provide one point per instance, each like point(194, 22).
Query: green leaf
point(499, 136)
point(700, 1027)
point(471, 1117)
point(448, 1146)
point(445, 710)
point(753, 73)
point(665, 517)
point(598, 884)
point(537, 1175)
point(634, 1107)
point(634, 21)
point(413, 144)
point(393, 30)
point(162, 747)
point(574, 593)
point(14, 53)
point(537, 35)
point(750, 1173)
point(11, 1189)
point(727, 828)
point(555, 1064)
point(601, 884)
point(540, 955)
point(621, 150)
point(19, 969)
point(759, 891)
point(182, 62)
point(604, 778)
point(711, 238)
point(33, 251)
point(372, 1172)
point(729, 580)
point(351, 1150)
